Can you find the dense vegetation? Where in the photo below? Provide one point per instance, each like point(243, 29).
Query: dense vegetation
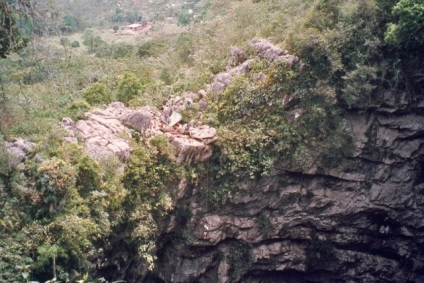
point(66, 216)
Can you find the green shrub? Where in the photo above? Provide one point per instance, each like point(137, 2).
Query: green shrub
point(166, 77)
point(55, 178)
point(150, 177)
point(184, 18)
point(88, 178)
point(121, 50)
point(64, 41)
point(185, 46)
point(75, 44)
point(4, 160)
point(359, 85)
point(97, 93)
point(78, 109)
point(129, 87)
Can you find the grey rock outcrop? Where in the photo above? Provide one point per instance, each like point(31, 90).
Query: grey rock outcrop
point(265, 49)
point(107, 131)
point(102, 131)
point(19, 148)
point(15, 153)
point(240, 64)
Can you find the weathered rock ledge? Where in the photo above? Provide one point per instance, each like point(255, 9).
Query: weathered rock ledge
point(107, 131)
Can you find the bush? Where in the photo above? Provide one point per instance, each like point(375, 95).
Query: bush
point(121, 16)
point(97, 93)
point(150, 177)
point(75, 44)
point(128, 88)
point(78, 109)
point(166, 77)
point(150, 48)
point(64, 41)
point(4, 160)
point(55, 178)
point(121, 50)
point(359, 85)
point(184, 18)
point(185, 48)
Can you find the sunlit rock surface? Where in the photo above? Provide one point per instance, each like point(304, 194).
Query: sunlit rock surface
point(107, 131)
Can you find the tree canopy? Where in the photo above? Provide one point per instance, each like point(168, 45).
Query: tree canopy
point(408, 29)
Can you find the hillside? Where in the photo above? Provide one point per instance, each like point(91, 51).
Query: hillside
point(230, 141)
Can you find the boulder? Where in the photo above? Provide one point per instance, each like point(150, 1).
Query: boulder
point(17, 150)
point(190, 150)
point(265, 49)
point(202, 132)
point(139, 119)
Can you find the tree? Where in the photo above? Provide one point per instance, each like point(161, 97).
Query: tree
point(91, 40)
point(408, 30)
point(11, 38)
point(129, 87)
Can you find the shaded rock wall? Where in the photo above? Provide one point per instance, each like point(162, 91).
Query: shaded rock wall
point(360, 221)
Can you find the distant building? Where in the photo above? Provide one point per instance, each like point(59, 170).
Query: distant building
point(137, 26)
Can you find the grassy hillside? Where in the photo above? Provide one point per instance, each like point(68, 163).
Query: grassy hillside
point(64, 216)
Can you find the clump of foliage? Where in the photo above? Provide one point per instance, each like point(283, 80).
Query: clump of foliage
point(60, 210)
point(70, 212)
point(92, 41)
point(258, 127)
point(78, 109)
point(151, 48)
point(408, 28)
point(128, 87)
point(185, 18)
point(151, 178)
point(75, 44)
point(4, 159)
point(239, 258)
point(54, 179)
point(70, 24)
point(121, 16)
point(97, 93)
point(121, 50)
point(11, 37)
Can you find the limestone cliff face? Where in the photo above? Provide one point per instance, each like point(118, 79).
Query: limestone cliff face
point(360, 221)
